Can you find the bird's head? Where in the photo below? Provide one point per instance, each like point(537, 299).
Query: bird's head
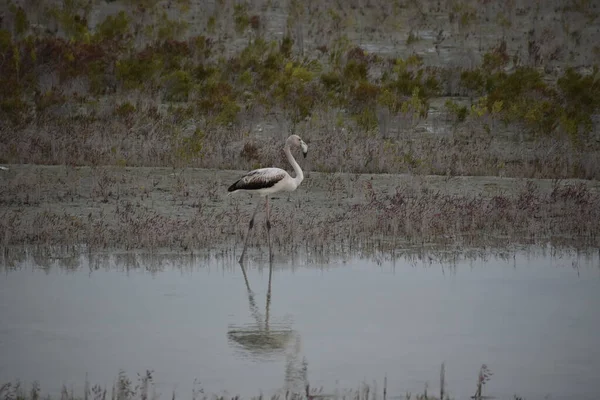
point(295, 140)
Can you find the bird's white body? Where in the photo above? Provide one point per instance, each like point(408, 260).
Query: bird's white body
point(283, 182)
point(266, 181)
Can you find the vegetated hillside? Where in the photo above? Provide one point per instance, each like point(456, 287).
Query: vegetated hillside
point(435, 87)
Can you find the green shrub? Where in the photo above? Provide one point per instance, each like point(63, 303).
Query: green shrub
point(168, 29)
point(355, 71)
point(200, 47)
point(113, 28)
point(494, 61)
point(10, 68)
point(524, 81)
point(581, 92)
point(366, 119)
point(211, 24)
point(229, 110)
point(21, 21)
point(459, 112)
point(364, 94)
point(240, 17)
point(5, 41)
point(524, 97)
point(387, 99)
point(202, 72)
point(253, 55)
point(474, 81)
point(173, 55)
point(331, 80)
point(417, 105)
point(139, 70)
point(14, 110)
point(580, 96)
point(72, 18)
point(97, 76)
point(286, 46)
point(178, 85)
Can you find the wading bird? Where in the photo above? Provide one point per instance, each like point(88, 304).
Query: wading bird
point(266, 181)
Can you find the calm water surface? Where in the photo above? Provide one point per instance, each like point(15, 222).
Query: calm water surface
point(533, 318)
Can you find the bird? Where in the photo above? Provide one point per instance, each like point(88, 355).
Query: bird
point(266, 181)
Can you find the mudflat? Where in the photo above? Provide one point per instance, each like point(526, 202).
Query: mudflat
point(183, 209)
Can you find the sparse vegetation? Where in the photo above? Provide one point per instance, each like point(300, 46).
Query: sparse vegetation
point(131, 208)
point(61, 88)
point(144, 388)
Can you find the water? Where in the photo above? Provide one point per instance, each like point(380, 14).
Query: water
point(532, 318)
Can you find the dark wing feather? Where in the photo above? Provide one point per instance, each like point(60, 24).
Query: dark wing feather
point(258, 179)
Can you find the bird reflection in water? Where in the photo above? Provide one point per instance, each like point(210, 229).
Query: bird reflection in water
point(265, 341)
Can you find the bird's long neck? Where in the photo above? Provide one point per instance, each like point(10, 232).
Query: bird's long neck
point(299, 175)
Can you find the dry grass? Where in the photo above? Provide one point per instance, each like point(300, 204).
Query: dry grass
point(144, 388)
point(147, 208)
point(159, 140)
point(570, 211)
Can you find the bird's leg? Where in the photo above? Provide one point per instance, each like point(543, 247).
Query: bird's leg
point(269, 227)
point(248, 233)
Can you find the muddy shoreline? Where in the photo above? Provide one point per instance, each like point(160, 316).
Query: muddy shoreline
point(189, 209)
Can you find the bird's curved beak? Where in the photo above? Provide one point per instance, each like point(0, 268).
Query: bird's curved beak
point(304, 148)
